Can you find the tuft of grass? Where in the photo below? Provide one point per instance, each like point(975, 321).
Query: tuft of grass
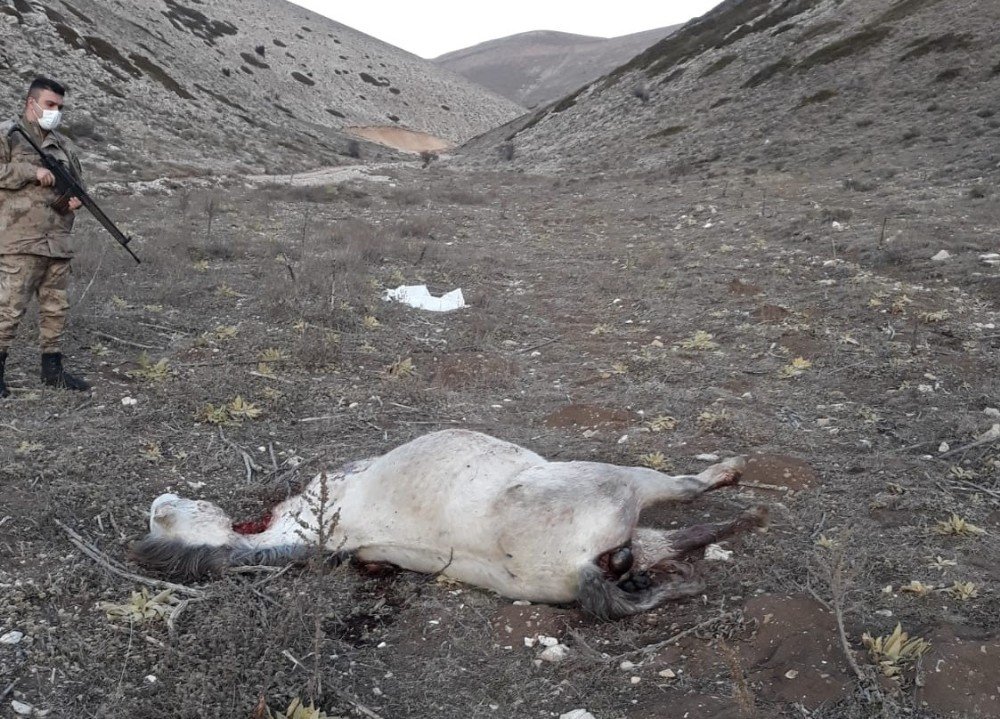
point(955, 526)
point(896, 651)
point(150, 371)
point(654, 460)
point(701, 340)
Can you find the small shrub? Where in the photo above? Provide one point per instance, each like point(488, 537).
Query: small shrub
point(353, 149)
point(858, 185)
point(950, 74)
point(845, 47)
point(766, 73)
point(641, 91)
point(823, 28)
point(978, 192)
point(815, 99)
point(667, 132)
point(506, 151)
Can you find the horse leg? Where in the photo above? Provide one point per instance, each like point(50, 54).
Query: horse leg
point(653, 486)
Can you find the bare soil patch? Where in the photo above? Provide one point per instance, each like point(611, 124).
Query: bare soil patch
point(401, 138)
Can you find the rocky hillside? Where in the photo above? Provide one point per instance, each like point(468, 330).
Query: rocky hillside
point(534, 68)
point(225, 84)
point(866, 89)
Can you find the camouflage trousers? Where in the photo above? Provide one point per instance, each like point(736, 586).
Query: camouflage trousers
point(21, 277)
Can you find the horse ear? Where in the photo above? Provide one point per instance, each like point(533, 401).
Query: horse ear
point(164, 516)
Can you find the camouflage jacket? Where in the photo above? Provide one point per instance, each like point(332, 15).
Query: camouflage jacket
point(28, 222)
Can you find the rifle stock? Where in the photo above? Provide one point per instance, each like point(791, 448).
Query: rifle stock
point(67, 184)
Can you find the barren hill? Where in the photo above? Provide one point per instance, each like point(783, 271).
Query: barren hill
point(870, 88)
point(534, 68)
point(229, 83)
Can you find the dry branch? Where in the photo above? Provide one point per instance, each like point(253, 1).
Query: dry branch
point(112, 566)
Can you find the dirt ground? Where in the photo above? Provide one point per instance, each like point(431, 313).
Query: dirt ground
point(640, 319)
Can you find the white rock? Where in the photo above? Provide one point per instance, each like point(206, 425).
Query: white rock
point(129, 401)
point(22, 709)
point(555, 654)
point(791, 674)
point(992, 412)
point(12, 637)
point(530, 642)
point(667, 673)
point(635, 680)
point(944, 447)
point(577, 714)
point(626, 666)
point(707, 457)
point(522, 603)
point(623, 439)
point(150, 679)
point(941, 256)
point(547, 641)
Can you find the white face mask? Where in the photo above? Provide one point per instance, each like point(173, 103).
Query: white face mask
point(49, 119)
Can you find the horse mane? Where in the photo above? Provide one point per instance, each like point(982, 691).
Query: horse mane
point(175, 558)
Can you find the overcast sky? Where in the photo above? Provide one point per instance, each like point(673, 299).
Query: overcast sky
point(432, 28)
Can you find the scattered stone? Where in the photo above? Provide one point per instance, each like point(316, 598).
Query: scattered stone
point(577, 714)
point(667, 673)
point(992, 412)
point(941, 256)
point(944, 447)
point(791, 674)
point(555, 654)
point(12, 637)
point(635, 680)
point(547, 641)
point(626, 666)
point(707, 457)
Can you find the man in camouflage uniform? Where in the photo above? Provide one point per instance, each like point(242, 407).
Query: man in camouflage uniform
point(35, 223)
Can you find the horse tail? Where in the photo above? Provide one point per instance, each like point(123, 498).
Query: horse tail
point(606, 600)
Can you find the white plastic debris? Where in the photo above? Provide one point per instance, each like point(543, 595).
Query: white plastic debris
point(577, 714)
point(418, 296)
point(941, 256)
point(715, 553)
point(12, 637)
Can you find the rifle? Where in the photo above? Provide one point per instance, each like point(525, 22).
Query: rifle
point(68, 186)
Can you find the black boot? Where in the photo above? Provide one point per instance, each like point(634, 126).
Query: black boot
point(54, 375)
point(4, 392)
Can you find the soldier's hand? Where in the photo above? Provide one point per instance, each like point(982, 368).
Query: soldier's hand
point(44, 177)
point(74, 204)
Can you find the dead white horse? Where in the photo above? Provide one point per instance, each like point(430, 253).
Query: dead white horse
point(477, 509)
